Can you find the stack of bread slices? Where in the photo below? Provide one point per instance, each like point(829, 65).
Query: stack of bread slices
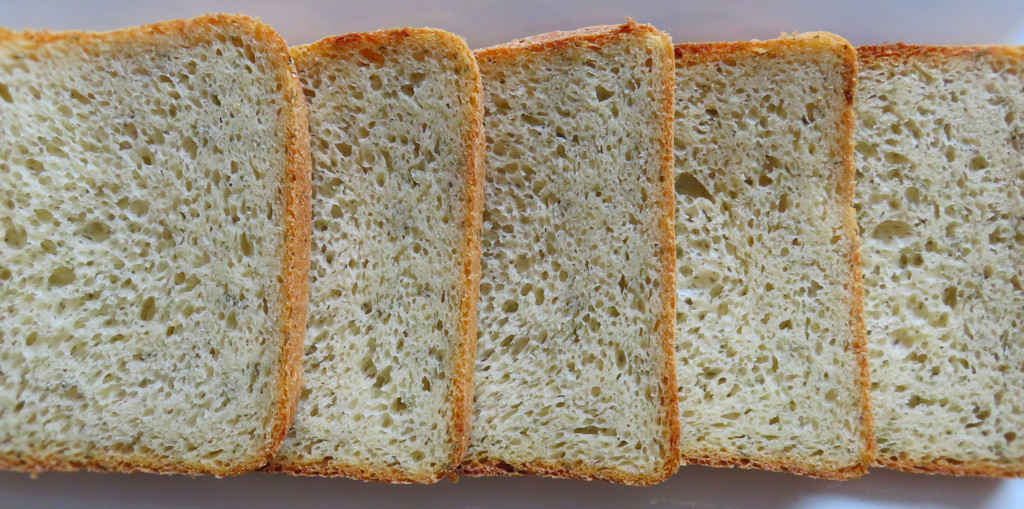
point(587, 254)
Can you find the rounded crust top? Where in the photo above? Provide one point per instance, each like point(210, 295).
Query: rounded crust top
point(592, 36)
point(188, 28)
point(337, 45)
point(787, 44)
point(902, 51)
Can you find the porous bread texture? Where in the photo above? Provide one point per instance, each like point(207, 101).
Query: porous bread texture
point(574, 370)
point(395, 118)
point(155, 239)
point(769, 344)
point(940, 151)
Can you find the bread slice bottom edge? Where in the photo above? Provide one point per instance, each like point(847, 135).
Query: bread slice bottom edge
point(779, 464)
point(135, 463)
point(948, 466)
point(578, 470)
point(362, 472)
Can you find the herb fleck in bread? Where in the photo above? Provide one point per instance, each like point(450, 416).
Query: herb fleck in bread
point(574, 372)
point(940, 150)
point(769, 342)
point(155, 220)
point(397, 139)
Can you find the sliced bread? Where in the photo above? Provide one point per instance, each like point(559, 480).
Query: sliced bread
point(769, 339)
point(940, 196)
point(574, 374)
point(155, 220)
point(395, 119)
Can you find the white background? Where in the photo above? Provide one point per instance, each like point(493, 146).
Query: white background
point(490, 22)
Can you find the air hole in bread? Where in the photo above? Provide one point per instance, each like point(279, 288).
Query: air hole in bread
point(687, 184)
point(979, 162)
point(96, 231)
point(61, 276)
point(14, 235)
point(375, 82)
point(891, 230)
point(5, 93)
point(148, 309)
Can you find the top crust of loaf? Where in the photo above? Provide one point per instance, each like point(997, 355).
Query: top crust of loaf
point(296, 191)
point(904, 53)
point(901, 51)
point(697, 53)
point(595, 37)
point(460, 396)
point(592, 36)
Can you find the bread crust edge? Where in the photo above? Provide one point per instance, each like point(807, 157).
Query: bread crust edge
point(298, 229)
point(947, 466)
point(559, 470)
point(902, 51)
point(475, 176)
point(777, 465)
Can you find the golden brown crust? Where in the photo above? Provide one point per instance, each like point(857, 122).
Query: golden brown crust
point(868, 55)
point(594, 38)
point(703, 52)
point(948, 466)
point(462, 389)
point(295, 250)
point(297, 190)
point(692, 54)
point(792, 466)
point(845, 190)
point(667, 322)
point(900, 51)
point(113, 462)
point(331, 468)
point(558, 469)
point(464, 353)
point(342, 45)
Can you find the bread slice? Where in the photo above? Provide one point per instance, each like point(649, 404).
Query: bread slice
point(396, 124)
point(940, 150)
point(155, 220)
point(574, 372)
point(769, 340)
